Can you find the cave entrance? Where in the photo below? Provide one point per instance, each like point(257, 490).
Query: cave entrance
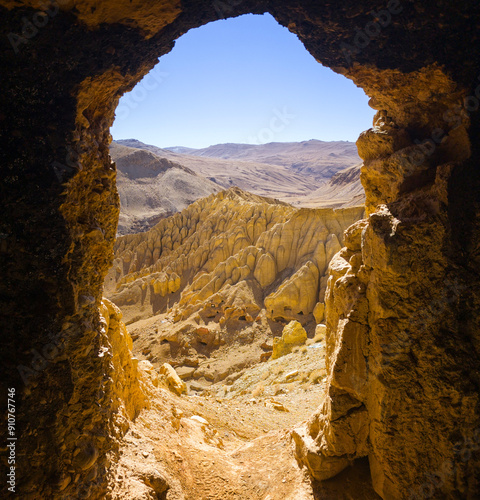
point(231, 291)
point(63, 84)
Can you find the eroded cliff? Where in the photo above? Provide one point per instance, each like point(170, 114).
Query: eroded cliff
point(232, 267)
point(395, 333)
point(227, 257)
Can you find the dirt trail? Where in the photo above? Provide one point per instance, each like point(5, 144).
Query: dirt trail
point(232, 447)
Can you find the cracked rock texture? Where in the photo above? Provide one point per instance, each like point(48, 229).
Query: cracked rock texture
point(403, 299)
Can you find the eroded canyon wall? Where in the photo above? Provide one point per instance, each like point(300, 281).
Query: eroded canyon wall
point(408, 297)
point(228, 256)
point(402, 356)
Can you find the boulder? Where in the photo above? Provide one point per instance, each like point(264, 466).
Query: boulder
point(175, 383)
point(320, 332)
point(319, 312)
point(293, 335)
point(185, 372)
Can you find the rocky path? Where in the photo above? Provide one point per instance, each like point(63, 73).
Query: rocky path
point(232, 442)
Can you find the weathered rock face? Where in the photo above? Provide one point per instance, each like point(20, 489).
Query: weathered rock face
point(227, 257)
point(293, 335)
point(395, 301)
point(414, 408)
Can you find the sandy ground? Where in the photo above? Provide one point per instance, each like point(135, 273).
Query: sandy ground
point(232, 440)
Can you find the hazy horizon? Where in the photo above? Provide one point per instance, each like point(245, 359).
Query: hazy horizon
point(226, 143)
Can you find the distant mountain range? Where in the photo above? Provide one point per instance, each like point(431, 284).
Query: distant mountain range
point(156, 182)
point(314, 159)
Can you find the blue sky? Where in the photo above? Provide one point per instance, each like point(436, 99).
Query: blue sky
point(246, 80)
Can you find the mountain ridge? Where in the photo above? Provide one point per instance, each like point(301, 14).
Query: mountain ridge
point(304, 174)
point(313, 158)
point(151, 187)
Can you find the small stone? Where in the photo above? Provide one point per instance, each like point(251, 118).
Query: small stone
point(196, 386)
point(291, 375)
point(185, 372)
point(199, 419)
point(320, 332)
point(271, 403)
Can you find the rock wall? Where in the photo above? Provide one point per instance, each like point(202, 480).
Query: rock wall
point(66, 65)
point(401, 354)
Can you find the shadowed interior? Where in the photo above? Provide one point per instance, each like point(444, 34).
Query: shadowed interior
point(403, 296)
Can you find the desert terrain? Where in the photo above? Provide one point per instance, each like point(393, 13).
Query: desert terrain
point(154, 183)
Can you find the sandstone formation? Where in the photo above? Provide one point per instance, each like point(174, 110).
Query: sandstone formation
point(174, 382)
point(403, 311)
point(207, 289)
point(293, 335)
point(227, 257)
point(390, 350)
point(119, 396)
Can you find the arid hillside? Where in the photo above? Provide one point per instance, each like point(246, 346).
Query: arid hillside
point(152, 188)
point(344, 189)
point(319, 160)
point(231, 268)
point(297, 173)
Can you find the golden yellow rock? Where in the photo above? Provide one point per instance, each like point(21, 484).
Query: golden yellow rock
point(127, 392)
point(319, 312)
point(320, 332)
point(160, 285)
point(266, 270)
point(353, 235)
point(174, 283)
point(293, 335)
point(229, 239)
point(175, 383)
point(296, 295)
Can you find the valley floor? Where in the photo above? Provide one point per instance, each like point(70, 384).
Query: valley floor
point(232, 439)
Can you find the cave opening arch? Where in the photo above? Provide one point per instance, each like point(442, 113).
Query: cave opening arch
point(62, 117)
